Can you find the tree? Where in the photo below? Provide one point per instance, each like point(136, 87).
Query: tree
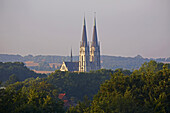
point(145, 91)
point(12, 79)
point(33, 96)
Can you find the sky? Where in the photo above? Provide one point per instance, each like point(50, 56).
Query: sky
point(51, 27)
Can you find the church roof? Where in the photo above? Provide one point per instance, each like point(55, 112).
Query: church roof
point(84, 35)
point(94, 40)
point(72, 66)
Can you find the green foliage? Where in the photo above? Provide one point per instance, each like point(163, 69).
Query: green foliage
point(12, 72)
point(81, 106)
point(31, 97)
point(145, 91)
point(12, 79)
point(78, 85)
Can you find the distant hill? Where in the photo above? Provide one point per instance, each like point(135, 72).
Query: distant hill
point(107, 62)
point(130, 63)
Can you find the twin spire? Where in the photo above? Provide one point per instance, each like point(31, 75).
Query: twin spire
point(94, 40)
point(84, 35)
point(84, 21)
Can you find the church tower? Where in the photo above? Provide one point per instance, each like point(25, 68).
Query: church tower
point(95, 50)
point(84, 52)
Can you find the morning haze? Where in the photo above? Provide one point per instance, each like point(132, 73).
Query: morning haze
point(125, 27)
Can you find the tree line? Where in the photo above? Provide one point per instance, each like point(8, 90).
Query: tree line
point(11, 72)
point(143, 90)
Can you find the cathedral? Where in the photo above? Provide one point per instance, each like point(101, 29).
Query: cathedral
point(89, 57)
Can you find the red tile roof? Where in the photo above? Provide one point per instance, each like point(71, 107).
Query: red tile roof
point(61, 95)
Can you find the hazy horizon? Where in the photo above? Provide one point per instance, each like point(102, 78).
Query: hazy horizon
point(78, 55)
point(125, 28)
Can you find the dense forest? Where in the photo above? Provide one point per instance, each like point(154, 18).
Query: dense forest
point(145, 91)
point(16, 71)
point(30, 97)
point(121, 91)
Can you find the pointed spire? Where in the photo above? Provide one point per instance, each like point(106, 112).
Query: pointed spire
point(71, 56)
point(94, 18)
point(84, 20)
point(94, 39)
point(84, 35)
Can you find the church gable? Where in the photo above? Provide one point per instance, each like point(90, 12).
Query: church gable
point(63, 67)
point(70, 66)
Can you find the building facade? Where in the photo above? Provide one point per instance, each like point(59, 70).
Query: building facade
point(89, 57)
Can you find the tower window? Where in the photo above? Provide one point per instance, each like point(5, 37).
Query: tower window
point(82, 61)
point(92, 58)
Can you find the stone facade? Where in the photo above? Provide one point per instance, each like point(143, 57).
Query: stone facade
point(88, 60)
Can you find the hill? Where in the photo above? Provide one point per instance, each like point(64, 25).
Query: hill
point(107, 62)
point(16, 72)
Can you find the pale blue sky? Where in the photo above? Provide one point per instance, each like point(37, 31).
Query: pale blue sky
point(51, 27)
